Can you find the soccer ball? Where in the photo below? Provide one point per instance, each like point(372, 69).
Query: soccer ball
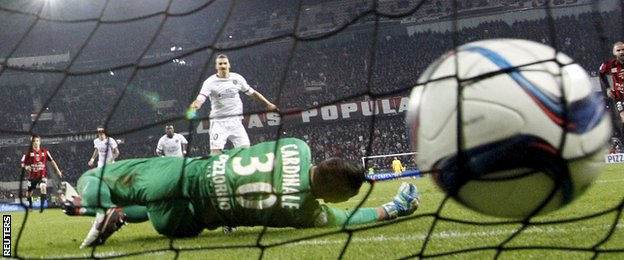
point(532, 134)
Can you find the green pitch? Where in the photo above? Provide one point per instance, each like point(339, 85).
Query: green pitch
point(590, 226)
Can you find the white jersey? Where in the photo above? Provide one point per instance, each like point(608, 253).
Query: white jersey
point(171, 146)
point(225, 102)
point(105, 149)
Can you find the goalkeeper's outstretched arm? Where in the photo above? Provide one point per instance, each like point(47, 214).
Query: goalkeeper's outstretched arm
point(404, 203)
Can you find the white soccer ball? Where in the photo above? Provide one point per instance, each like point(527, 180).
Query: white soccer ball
point(533, 132)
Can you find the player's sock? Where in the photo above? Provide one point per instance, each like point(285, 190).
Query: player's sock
point(94, 232)
point(104, 226)
point(43, 199)
point(29, 202)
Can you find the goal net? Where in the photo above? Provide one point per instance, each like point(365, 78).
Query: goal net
point(339, 70)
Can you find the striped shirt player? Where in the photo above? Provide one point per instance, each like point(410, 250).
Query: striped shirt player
point(172, 143)
point(612, 82)
point(105, 149)
point(34, 161)
point(226, 107)
point(269, 184)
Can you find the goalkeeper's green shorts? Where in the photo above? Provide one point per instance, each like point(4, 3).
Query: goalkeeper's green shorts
point(151, 187)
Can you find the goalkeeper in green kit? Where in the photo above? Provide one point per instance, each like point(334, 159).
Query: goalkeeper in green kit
point(269, 184)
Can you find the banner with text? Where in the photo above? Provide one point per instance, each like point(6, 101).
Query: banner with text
point(342, 111)
point(24, 141)
point(614, 158)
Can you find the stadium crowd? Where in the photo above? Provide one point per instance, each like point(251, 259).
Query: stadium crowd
point(339, 65)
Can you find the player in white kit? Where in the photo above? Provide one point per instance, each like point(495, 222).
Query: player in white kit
point(226, 107)
point(172, 143)
point(105, 149)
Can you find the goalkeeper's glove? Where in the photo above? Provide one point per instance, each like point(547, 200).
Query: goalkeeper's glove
point(404, 203)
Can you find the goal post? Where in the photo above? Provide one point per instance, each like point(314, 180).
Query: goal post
point(382, 163)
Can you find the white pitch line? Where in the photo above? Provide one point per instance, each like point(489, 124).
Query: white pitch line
point(456, 234)
point(415, 237)
point(609, 181)
point(112, 254)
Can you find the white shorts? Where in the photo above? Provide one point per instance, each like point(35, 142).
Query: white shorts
point(222, 131)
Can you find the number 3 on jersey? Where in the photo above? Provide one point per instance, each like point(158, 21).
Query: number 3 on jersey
point(257, 191)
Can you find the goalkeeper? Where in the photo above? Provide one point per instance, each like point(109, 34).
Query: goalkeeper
point(269, 184)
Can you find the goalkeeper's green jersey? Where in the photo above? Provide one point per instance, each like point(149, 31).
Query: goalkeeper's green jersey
point(267, 184)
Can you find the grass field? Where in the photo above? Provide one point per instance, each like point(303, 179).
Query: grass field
point(591, 226)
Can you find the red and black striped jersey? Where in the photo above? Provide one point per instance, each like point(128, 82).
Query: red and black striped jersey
point(37, 161)
point(612, 78)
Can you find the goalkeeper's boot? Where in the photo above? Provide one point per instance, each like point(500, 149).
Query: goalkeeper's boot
point(72, 207)
point(67, 191)
point(104, 226)
point(69, 198)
